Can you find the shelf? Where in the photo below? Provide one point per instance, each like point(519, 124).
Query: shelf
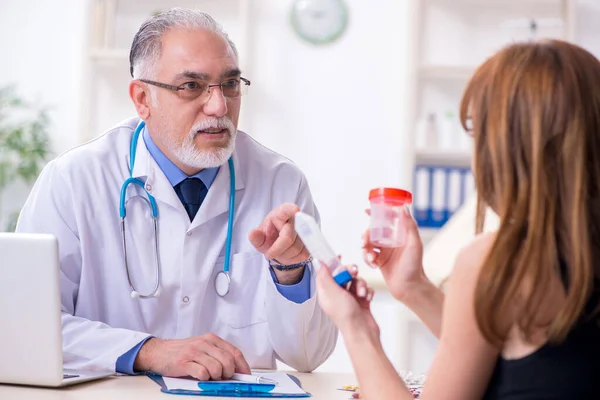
point(442, 72)
point(459, 158)
point(111, 55)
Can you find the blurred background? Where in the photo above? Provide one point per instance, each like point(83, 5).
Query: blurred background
point(358, 93)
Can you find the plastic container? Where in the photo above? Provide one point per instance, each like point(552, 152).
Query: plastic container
point(387, 228)
point(314, 240)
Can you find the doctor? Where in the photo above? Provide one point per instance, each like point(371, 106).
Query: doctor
point(177, 250)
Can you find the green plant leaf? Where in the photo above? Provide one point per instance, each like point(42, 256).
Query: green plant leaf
point(24, 139)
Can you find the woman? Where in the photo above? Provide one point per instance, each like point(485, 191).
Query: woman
point(520, 315)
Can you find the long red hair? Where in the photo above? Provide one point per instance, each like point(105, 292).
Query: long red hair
point(534, 111)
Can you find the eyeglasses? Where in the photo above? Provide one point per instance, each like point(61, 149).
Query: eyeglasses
point(231, 88)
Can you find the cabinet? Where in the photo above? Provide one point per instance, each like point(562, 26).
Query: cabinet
point(450, 38)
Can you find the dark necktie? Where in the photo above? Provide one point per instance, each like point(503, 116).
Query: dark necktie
point(191, 192)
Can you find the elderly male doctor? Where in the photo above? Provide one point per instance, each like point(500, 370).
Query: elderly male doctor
point(186, 89)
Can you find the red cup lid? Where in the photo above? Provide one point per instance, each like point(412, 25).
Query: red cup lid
point(391, 193)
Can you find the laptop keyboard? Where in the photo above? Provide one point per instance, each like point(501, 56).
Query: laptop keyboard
point(67, 376)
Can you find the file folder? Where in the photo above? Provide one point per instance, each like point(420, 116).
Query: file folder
point(231, 389)
point(439, 197)
point(422, 195)
point(455, 191)
point(438, 192)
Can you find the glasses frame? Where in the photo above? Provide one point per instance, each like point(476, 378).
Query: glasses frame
point(243, 81)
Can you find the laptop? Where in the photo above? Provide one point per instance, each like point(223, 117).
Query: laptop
point(30, 314)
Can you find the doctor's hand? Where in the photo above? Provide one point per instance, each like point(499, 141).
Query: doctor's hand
point(277, 240)
point(203, 357)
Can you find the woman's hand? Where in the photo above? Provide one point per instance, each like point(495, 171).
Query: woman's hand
point(350, 311)
point(349, 308)
point(401, 267)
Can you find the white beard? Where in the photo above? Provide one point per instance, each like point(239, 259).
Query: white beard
point(189, 155)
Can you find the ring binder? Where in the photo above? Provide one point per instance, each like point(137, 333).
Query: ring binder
point(438, 193)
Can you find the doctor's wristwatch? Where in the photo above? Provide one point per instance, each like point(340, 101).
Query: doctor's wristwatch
point(280, 267)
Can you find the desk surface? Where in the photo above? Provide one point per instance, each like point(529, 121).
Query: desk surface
point(322, 386)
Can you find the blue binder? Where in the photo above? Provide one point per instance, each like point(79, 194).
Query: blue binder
point(431, 205)
point(238, 389)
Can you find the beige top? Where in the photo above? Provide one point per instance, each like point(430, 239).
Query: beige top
point(322, 386)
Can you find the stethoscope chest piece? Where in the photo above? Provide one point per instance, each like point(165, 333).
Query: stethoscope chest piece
point(222, 283)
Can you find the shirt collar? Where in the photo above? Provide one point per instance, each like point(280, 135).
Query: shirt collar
point(171, 171)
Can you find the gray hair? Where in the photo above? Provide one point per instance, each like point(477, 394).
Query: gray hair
point(146, 46)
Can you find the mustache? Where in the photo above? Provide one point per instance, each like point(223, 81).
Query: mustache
point(213, 123)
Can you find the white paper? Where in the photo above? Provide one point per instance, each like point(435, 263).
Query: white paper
point(181, 383)
point(285, 385)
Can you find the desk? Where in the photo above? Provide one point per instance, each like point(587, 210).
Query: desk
point(322, 386)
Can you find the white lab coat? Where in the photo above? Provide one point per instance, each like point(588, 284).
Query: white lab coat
point(76, 198)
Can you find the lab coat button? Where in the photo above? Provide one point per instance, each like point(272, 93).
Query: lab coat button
point(189, 233)
point(186, 299)
point(148, 187)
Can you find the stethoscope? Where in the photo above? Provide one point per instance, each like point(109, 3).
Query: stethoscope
point(222, 280)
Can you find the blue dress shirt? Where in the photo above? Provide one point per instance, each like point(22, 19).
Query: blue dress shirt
point(298, 293)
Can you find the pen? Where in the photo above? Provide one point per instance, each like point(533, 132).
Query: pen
point(252, 378)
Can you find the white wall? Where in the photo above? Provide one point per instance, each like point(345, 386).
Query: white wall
point(335, 110)
point(588, 29)
point(41, 51)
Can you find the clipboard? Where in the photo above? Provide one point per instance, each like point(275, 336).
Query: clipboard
point(238, 389)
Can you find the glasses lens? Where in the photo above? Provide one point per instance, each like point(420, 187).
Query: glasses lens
point(192, 90)
point(231, 88)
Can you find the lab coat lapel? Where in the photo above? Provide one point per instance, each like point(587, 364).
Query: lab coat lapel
point(217, 198)
point(157, 184)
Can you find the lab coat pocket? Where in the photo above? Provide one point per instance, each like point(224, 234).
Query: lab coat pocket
point(244, 305)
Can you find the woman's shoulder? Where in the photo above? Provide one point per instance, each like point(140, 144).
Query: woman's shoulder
point(469, 259)
point(475, 252)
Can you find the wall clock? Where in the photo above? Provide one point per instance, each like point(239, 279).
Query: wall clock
point(319, 21)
